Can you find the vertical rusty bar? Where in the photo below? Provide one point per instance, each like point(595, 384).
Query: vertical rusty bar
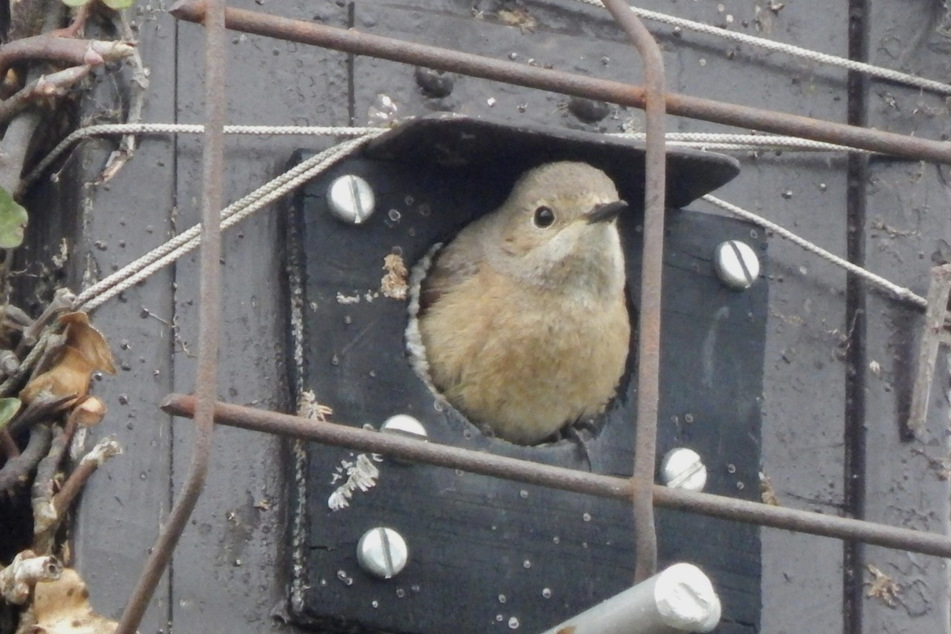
point(209, 308)
point(648, 345)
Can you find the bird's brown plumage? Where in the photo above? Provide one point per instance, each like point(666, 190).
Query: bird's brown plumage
point(525, 327)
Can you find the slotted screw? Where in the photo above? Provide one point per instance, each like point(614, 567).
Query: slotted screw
point(736, 264)
point(682, 468)
point(382, 552)
point(351, 199)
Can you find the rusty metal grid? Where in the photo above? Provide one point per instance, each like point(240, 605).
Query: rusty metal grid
point(639, 489)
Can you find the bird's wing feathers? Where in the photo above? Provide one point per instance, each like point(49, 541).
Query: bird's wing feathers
point(450, 267)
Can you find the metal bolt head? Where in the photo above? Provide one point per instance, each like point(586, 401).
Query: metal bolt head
point(382, 552)
point(588, 110)
point(404, 425)
point(351, 199)
point(434, 83)
point(736, 264)
point(682, 468)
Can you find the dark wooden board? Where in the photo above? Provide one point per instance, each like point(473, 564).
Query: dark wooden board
point(906, 230)
point(228, 568)
point(108, 226)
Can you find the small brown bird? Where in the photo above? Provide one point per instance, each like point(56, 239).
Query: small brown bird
point(521, 321)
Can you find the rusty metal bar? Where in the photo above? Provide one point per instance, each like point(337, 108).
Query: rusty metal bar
point(621, 489)
point(652, 265)
point(351, 41)
point(209, 309)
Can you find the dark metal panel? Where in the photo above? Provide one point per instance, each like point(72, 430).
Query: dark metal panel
point(228, 568)
point(907, 231)
point(484, 144)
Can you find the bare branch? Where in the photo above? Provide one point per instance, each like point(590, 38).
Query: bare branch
point(13, 149)
point(52, 85)
point(18, 579)
point(15, 317)
point(26, 19)
point(45, 517)
point(8, 445)
point(104, 449)
point(43, 408)
point(9, 363)
point(138, 86)
point(66, 50)
point(16, 471)
point(63, 299)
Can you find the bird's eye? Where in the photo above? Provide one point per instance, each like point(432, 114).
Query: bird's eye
point(544, 217)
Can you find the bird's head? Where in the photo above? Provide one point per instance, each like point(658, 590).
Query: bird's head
point(557, 229)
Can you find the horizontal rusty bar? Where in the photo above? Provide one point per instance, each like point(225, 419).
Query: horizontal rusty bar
point(351, 41)
point(340, 435)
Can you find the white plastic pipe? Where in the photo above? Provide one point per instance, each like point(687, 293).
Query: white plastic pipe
point(678, 599)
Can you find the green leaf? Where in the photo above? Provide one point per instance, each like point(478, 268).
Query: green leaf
point(8, 409)
point(117, 5)
point(75, 3)
point(13, 220)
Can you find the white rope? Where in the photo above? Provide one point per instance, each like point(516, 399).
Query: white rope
point(186, 241)
point(183, 128)
point(796, 51)
point(744, 142)
point(701, 140)
point(900, 292)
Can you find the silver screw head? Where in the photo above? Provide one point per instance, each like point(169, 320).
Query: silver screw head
point(382, 552)
point(682, 468)
point(351, 199)
point(404, 425)
point(736, 264)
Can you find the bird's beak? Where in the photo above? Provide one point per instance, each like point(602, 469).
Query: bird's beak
point(606, 212)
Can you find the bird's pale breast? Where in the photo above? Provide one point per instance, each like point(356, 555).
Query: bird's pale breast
point(520, 362)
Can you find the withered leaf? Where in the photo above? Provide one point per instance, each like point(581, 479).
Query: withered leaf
point(62, 607)
point(89, 412)
point(85, 352)
point(80, 334)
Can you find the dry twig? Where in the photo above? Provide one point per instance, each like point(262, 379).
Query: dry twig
point(18, 579)
point(44, 87)
point(45, 517)
point(97, 456)
point(138, 86)
point(16, 471)
point(63, 300)
point(66, 50)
